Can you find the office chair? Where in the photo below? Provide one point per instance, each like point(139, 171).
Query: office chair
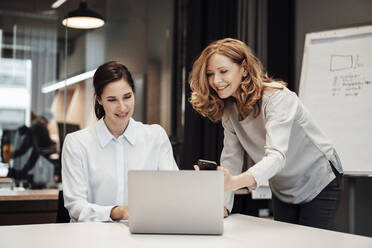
point(62, 213)
point(70, 128)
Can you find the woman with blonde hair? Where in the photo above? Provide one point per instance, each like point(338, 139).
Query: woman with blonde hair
point(263, 118)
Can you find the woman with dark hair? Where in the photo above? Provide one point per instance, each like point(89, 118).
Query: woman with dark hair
point(95, 161)
point(262, 117)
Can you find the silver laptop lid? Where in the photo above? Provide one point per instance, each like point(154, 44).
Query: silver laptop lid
point(179, 202)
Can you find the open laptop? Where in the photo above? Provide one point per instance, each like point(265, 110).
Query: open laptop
point(176, 202)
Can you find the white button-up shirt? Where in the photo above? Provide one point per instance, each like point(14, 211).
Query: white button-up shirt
point(95, 166)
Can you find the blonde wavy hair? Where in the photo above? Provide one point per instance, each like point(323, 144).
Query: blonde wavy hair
point(206, 101)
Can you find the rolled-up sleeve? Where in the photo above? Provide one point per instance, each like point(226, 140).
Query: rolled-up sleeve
point(279, 112)
point(75, 185)
point(232, 157)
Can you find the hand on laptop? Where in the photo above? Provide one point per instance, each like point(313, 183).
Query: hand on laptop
point(225, 212)
point(242, 180)
point(119, 212)
point(228, 178)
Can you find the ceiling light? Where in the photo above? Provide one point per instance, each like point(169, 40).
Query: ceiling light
point(69, 81)
point(83, 18)
point(57, 3)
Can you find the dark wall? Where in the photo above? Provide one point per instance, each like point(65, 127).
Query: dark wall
point(280, 43)
point(207, 21)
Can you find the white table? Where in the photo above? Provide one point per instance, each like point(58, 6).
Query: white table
point(239, 231)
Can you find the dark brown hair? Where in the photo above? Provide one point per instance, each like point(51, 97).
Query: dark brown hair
point(107, 73)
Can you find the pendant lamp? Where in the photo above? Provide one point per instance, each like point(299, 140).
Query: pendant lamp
point(83, 18)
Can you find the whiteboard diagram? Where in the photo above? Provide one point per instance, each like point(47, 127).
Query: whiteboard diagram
point(336, 87)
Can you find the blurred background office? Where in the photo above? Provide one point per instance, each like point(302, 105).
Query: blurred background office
point(47, 68)
point(46, 71)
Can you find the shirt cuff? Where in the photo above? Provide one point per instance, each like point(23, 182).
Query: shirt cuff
point(104, 212)
point(255, 174)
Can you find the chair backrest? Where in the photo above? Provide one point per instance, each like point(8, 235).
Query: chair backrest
point(62, 213)
point(7, 144)
point(70, 128)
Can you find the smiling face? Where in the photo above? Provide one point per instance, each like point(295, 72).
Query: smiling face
point(224, 76)
point(117, 99)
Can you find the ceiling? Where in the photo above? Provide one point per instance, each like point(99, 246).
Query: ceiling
point(40, 12)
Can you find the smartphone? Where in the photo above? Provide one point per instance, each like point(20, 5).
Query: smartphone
point(207, 165)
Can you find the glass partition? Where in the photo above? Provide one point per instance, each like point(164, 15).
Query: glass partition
point(46, 72)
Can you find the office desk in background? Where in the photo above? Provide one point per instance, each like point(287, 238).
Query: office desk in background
point(28, 207)
point(239, 231)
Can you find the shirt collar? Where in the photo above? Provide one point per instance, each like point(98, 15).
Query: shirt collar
point(104, 135)
point(130, 132)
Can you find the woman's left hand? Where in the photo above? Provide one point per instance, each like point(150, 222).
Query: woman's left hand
point(225, 212)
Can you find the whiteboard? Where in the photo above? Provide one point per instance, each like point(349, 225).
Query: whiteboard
point(336, 88)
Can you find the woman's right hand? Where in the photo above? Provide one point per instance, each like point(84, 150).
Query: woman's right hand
point(228, 178)
point(233, 183)
point(119, 212)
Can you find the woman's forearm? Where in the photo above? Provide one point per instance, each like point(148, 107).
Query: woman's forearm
point(244, 179)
